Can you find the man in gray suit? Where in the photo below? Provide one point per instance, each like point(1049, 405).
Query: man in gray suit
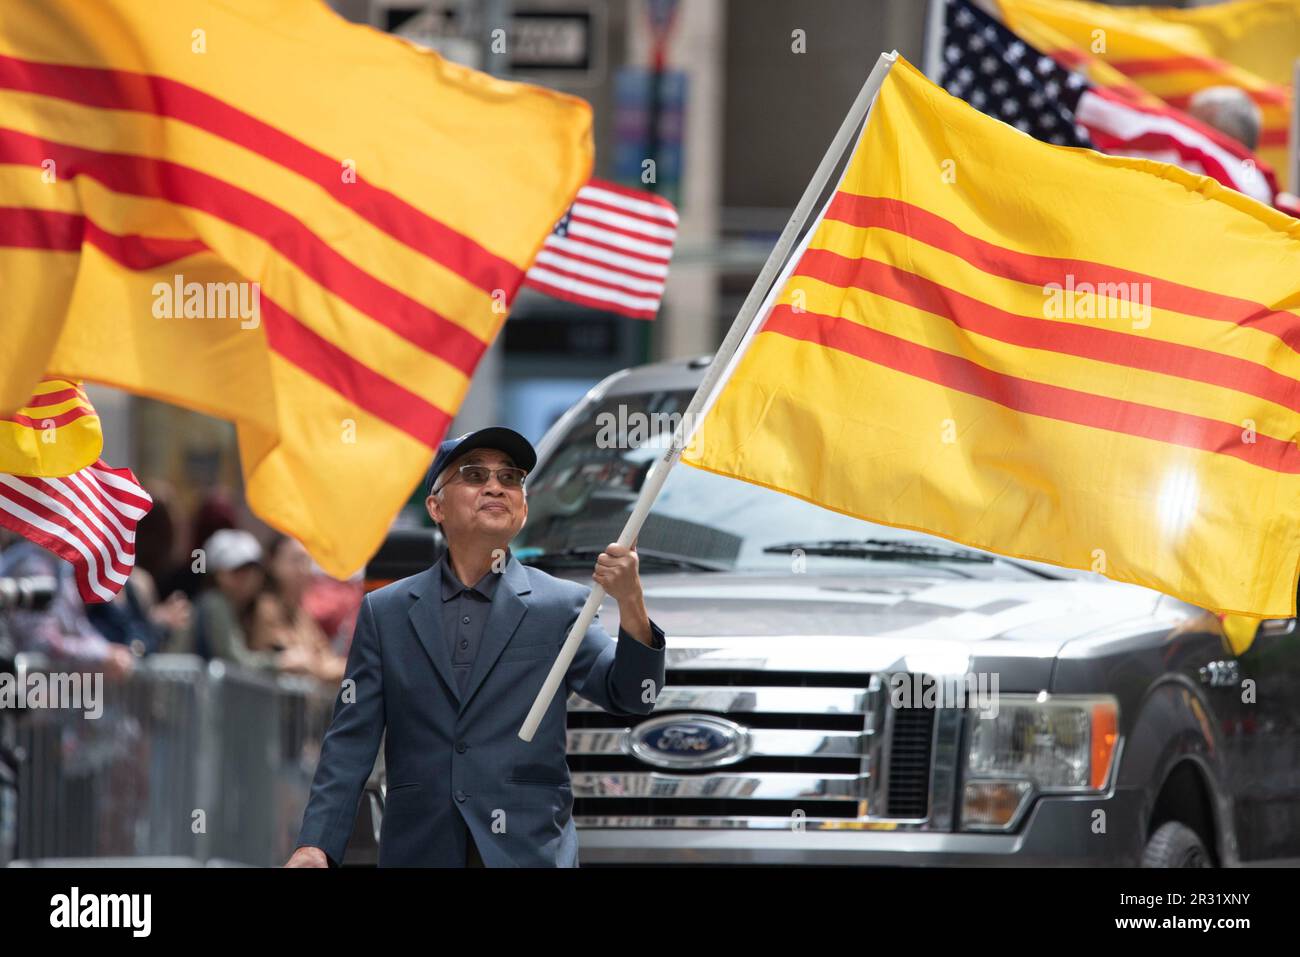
point(451, 669)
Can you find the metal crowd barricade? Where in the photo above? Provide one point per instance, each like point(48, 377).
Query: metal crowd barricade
point(190, 762)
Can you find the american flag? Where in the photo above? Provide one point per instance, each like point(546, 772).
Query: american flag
point(610, 251)
point(87, 518)
point(1001, 75)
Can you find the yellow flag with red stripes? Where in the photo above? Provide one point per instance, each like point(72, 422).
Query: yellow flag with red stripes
point(257, 210)
point(1087, 360)
point(56, 433)
point(1173, 53)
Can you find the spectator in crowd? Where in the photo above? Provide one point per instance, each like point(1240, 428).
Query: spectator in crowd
point(233, 560)
point(136, 618)
point(61, 632)
point(216, 512)
point(278, 620)
point(1230, 111)
point(335, 604)
point(155, 534)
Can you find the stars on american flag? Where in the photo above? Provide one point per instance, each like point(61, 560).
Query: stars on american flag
point(1004, 77)
point(998, 74)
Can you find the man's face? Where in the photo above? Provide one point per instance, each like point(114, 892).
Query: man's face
point(490, 512)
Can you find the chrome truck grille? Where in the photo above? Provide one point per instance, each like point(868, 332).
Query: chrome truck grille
point(758, 748)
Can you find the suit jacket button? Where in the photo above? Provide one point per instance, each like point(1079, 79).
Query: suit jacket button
point(460, 747)
point(460, 796)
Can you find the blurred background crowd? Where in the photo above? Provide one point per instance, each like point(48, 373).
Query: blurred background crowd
point(203, 584)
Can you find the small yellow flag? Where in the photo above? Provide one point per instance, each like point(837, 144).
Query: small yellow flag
point(56, 433)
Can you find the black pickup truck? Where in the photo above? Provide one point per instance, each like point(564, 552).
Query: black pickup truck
point(844, 693)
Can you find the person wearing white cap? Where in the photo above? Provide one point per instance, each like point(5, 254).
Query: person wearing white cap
point(232, 558)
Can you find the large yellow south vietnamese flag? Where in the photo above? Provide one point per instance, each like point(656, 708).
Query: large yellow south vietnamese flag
point(1045, 352)
point(1173, 53)
point(255, 209)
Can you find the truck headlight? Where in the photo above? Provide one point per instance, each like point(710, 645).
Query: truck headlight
point(1048, 743)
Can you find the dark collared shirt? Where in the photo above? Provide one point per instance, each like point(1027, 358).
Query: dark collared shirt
point(464, 616)
point(464, 619)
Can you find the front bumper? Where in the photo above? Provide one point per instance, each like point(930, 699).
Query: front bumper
point(1057, 831)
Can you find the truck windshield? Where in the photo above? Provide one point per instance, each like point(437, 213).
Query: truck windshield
point(580, 498)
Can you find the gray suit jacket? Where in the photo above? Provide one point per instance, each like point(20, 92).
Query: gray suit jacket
point(449, 759)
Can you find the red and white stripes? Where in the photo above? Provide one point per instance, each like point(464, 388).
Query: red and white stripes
point(88, 518)
point(610, 251)
point(1117, 126)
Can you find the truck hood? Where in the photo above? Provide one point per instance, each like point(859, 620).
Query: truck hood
point(873, 623)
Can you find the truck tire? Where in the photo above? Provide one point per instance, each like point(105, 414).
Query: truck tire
point(1174, 844)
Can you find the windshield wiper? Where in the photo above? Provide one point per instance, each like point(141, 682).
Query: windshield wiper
point(880, 548)
point(885, 550)
point(583, 555)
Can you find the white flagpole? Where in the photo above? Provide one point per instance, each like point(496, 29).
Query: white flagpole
point(713, 378)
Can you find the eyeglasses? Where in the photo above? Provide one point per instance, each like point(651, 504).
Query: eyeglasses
point(509, 476)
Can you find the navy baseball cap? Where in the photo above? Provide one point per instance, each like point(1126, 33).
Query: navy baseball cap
point(495, 437)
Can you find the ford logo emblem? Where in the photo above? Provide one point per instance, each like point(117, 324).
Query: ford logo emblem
point(688, 741)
